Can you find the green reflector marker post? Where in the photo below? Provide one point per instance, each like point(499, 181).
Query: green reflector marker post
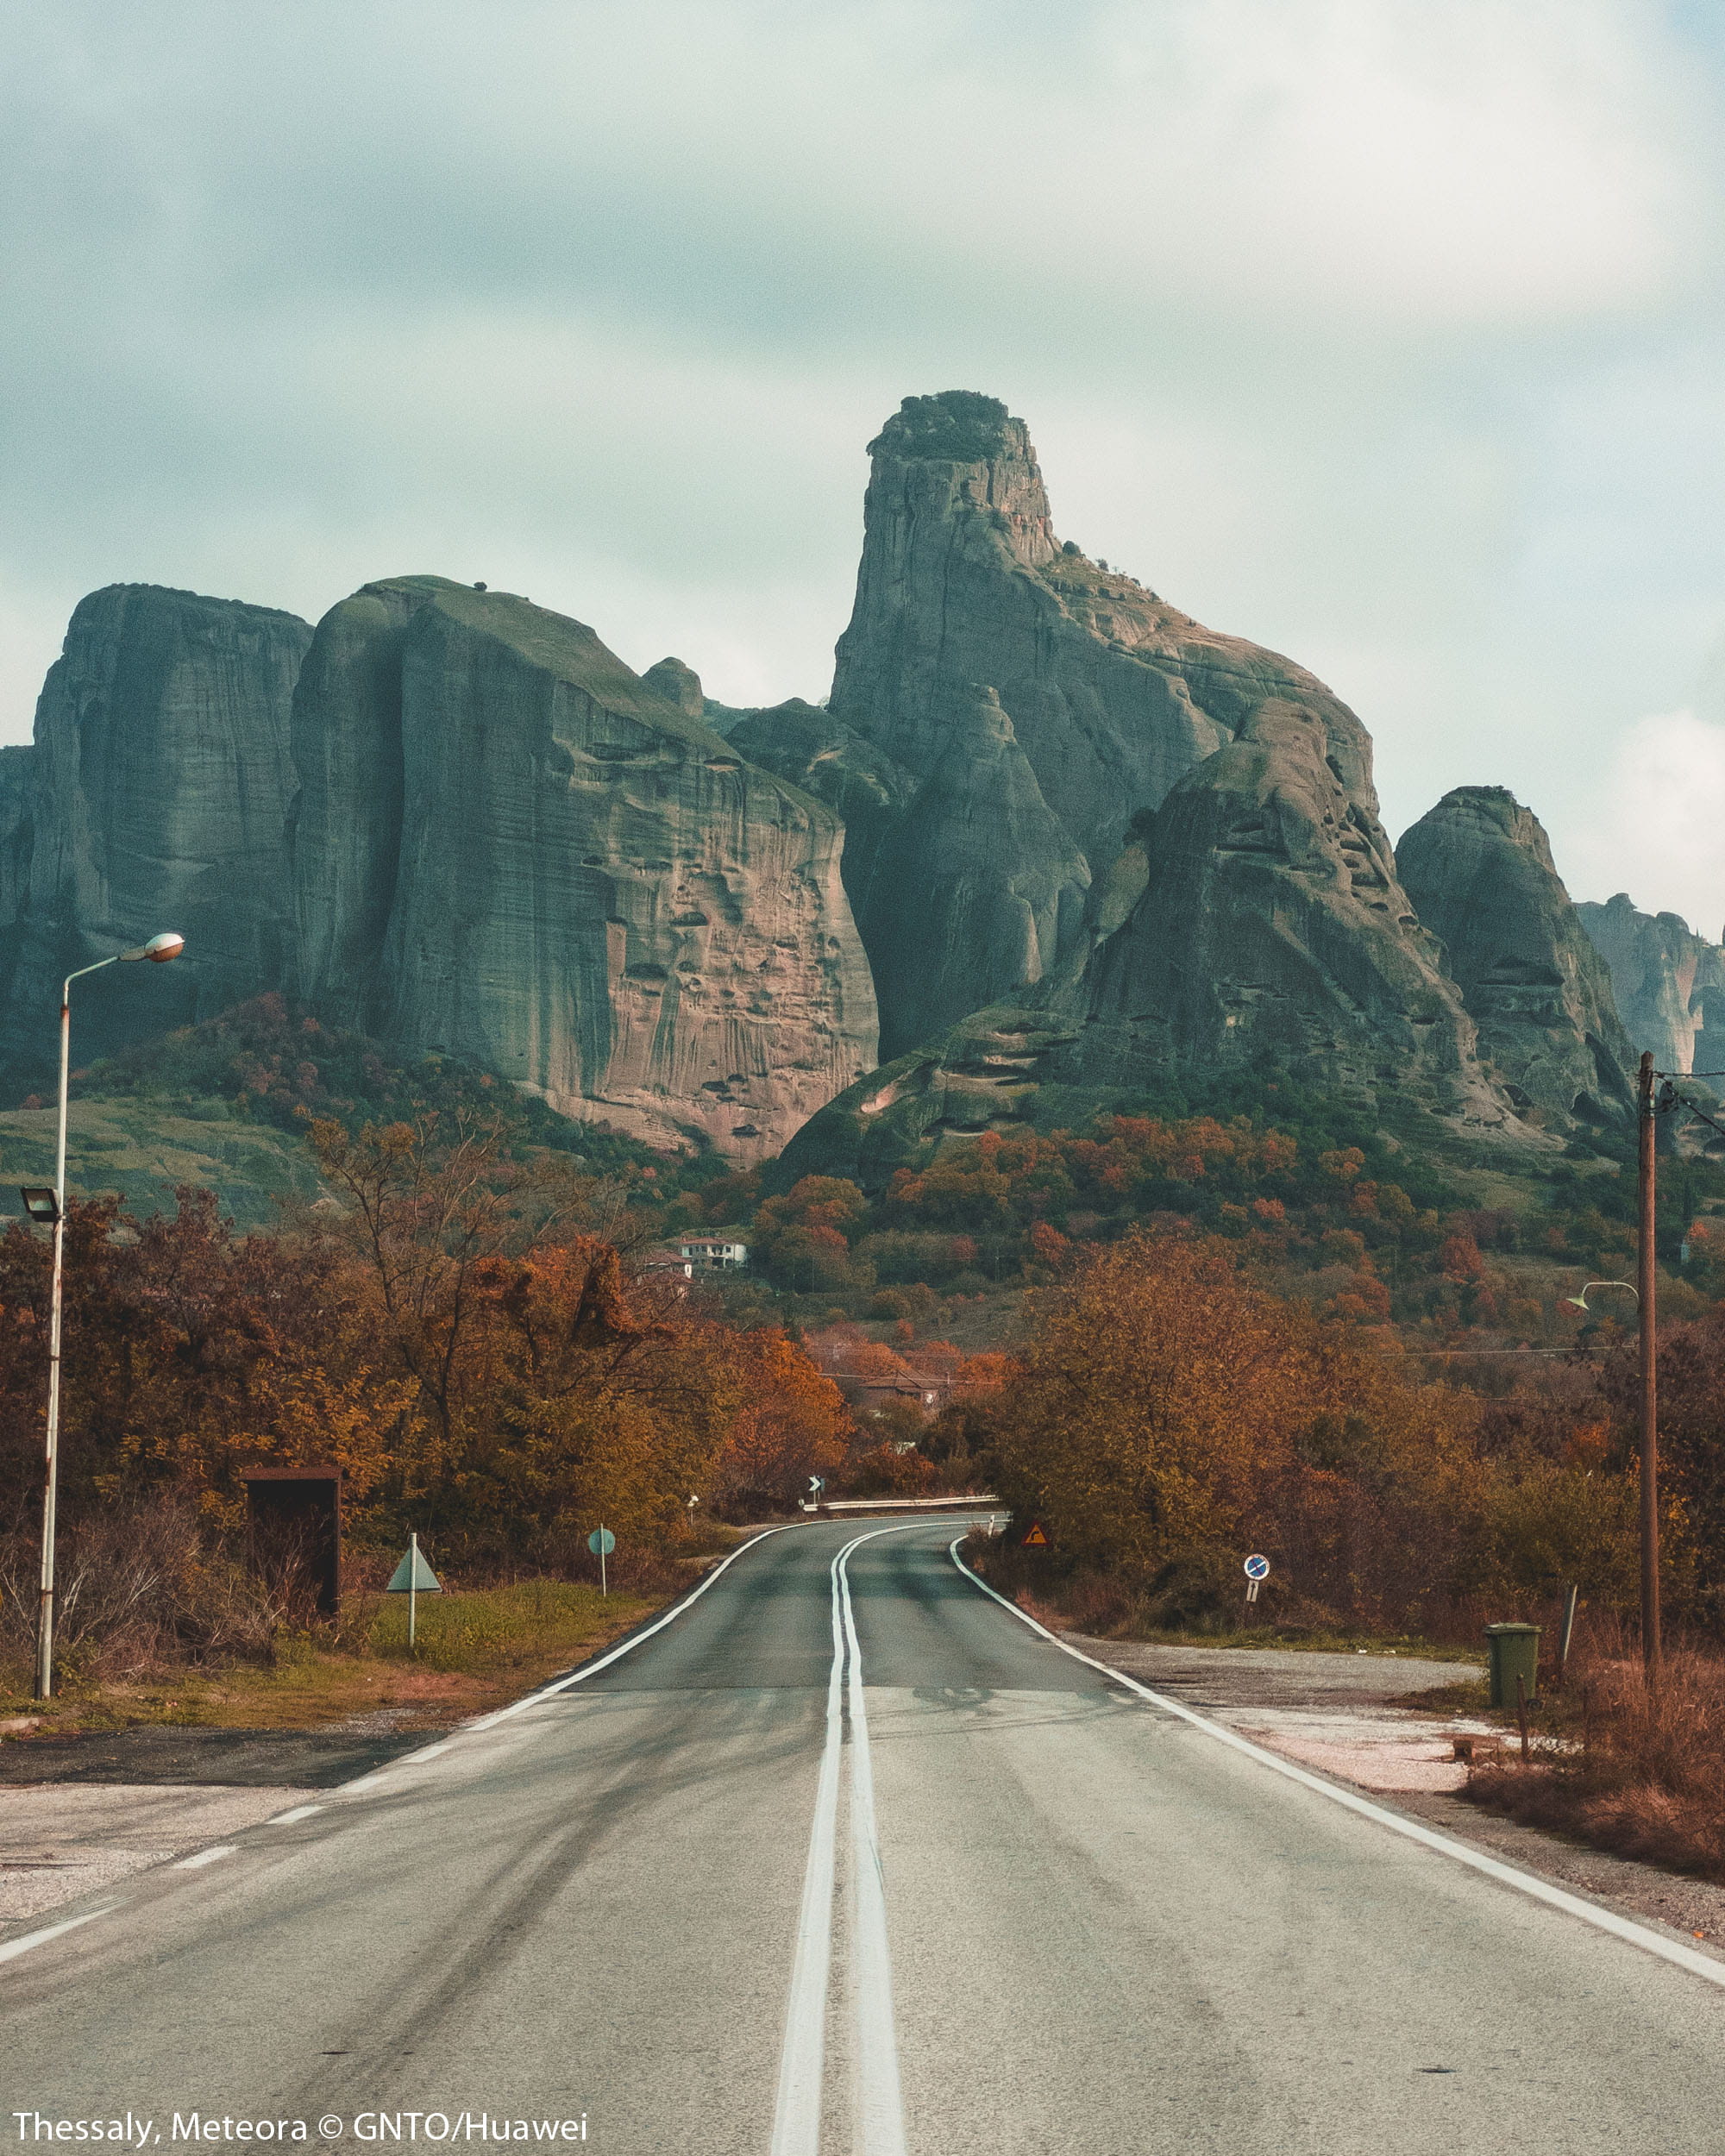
point(413, 1577)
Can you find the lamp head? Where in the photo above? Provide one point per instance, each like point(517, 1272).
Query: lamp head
point(1580, 1302)
point(159, 948)
point(40, 1205)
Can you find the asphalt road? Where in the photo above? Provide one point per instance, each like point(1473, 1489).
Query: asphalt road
point(846, 1858)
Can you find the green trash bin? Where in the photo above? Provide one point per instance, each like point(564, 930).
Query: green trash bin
point(1515, 1652)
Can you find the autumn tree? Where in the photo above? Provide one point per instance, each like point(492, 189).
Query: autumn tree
point(792, 1424)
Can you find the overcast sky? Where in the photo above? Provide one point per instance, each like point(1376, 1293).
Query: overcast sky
point(1386, 332)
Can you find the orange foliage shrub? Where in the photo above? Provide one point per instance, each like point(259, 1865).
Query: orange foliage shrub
point(1164, 1407)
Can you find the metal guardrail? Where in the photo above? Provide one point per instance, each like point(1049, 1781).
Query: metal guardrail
point(903, 1504)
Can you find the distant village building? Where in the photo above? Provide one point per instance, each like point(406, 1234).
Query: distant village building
point(713, 1254)
point(928, 1396)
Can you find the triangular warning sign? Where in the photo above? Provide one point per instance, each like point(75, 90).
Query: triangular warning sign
point(1036, 1539)
point(414, 1574)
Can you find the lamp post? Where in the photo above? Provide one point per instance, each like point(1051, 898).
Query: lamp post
point(1645, 1292)
point(158, 949)
point(1650, 1463)
point(1645, 1111)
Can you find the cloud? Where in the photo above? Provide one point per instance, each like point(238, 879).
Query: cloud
point(1382, 330)
point(1658, 833)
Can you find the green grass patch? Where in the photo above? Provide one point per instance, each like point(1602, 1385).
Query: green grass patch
point(491, 1628)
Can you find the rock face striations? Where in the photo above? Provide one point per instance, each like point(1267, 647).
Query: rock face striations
point(1110, 694)
point(1255, 921)
point(1273, 927)
point(154, 798)
point(864, 788)
point(459, 822)
point(507, 845)
point(1669, 983)
point(976, 888)
point(1479, 868)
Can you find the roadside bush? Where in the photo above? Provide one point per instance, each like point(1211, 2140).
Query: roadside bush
point(1169, 1415)
point(1640, 1774)
point(137, 1584)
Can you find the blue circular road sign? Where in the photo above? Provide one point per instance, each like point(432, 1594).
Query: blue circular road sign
point(601, 1542)
point(1257, 1567)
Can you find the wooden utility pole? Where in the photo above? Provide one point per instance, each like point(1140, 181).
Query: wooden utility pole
point(1650, 1381)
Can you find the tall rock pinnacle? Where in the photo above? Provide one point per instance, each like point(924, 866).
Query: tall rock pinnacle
point(1112, 695)
point(1668, 981)
point(1479, 870)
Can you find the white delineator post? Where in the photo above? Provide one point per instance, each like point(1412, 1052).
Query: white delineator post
point(412, 1587)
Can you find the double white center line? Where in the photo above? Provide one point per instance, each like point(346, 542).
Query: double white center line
point(879, 2107)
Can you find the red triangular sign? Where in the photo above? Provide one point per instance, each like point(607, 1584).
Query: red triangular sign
point(1036, 1539)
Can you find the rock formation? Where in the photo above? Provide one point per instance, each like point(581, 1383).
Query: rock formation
point(16, 767)
point(976, 886)
point(508, 846)
point(1112, 693)
point(1273, 927)
point(153, 798)
point(678, 684)
point(1254, 921)
point(1668, 982)
point(964, 886)
point(1479, 871)
point(859, 782)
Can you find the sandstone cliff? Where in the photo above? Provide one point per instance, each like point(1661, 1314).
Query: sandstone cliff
point(678, 684)
point(976, 888)
point(16, 766)
point(859, 782)
point(507, 845)
point(1669, 983)
point(1255, 922)
point(1479, 871)
point(1112, 693)
point(154, 798)
point(1272, 925)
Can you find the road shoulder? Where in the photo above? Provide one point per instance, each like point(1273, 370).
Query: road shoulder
point(1339, 1716)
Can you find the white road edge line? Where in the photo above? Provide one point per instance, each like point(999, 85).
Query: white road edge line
point(14, 1947)
point(299, 1811)
point(370, 1780)
point(1538, 1889)
point(203, 1857)
point(604, 1661)
point(880, 2097)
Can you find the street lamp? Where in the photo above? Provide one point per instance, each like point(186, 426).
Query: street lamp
point(1580, 1302)
point(50, 1205)
point(1648, 1105)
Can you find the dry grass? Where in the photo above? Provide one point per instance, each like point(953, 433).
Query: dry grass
point(473, 1650)
point(1643, 1775)
point(160, 1624)
point(1195, 1604)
